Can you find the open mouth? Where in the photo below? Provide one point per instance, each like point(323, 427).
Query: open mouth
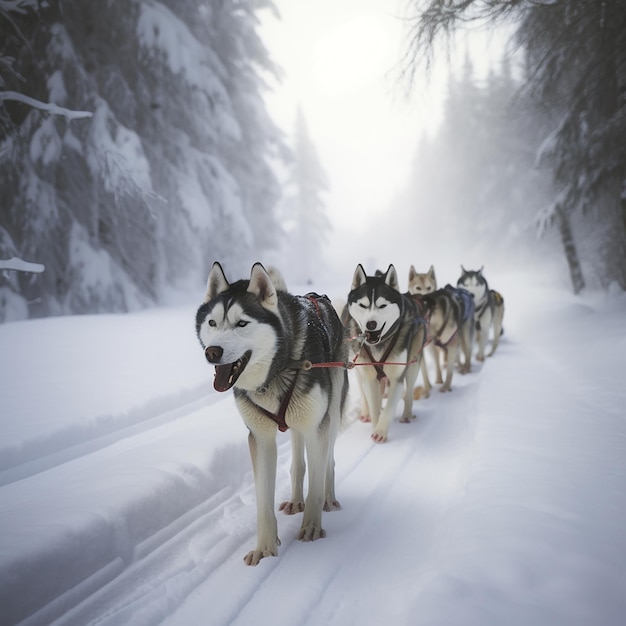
point(373, 336)
point(226, 375)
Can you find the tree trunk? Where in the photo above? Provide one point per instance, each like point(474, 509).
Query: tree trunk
point(569, 246)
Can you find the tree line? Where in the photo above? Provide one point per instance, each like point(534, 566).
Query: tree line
point(572, 96)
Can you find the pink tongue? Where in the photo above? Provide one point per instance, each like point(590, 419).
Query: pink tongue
point(222, 380)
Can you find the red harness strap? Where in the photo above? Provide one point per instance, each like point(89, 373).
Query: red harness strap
point(279, 417)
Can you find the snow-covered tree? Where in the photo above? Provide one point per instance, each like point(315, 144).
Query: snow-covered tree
point(576, 78)
point(169, 174)
point(474, 182)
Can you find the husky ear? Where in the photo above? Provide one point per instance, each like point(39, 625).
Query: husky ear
point(391, 277)
point(463, 270)
point(261, 285)
point(412, 273)
point(480, 271)
point(431, 273)
point(216, 282)
point(359, 277)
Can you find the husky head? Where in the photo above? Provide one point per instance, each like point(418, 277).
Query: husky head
point(422, 284)
point(374, 302)
point(238, 325)
point(474, 282)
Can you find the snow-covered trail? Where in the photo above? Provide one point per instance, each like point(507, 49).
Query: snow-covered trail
point(503, 503)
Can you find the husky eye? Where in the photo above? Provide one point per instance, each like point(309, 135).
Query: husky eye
point(363, 306)
point(242, 323)
point(382, 306)
point(212, 323)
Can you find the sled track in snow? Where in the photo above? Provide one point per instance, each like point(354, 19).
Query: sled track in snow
point(134, 424)
point(206, 543)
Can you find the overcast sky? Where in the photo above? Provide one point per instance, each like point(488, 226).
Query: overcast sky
point(340, 59)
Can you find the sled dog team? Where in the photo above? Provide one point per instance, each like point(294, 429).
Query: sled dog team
point(286, 357)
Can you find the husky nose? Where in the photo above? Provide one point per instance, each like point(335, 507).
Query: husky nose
point(371, 325)
point(213, 353)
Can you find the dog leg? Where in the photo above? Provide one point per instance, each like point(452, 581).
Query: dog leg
point(453, 347)
point(425, 391)
point(497, 331)
point(466, 349)
point(317, 452)
point(371, 388)
point(264, 455)
point(340, 381)
point(365, 415)
point(410, 377)
point(435, 352)
point(381, 428)
point(298, 467)
point(483, 334)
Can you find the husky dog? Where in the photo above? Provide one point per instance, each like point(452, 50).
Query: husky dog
point(263, 342)
point(422, 284)
point(489, 309)
point(391, 338)
point(449, 313)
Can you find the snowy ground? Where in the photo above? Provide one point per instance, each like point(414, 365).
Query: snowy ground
point(126, 495)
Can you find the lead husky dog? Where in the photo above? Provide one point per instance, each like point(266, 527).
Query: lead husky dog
point(391, 337)
point(262, 341)
point(449, 313)
point(489, 309)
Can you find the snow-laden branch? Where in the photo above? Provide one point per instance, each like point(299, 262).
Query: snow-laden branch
point(17, 6)
point(55, 109)
point(21, 266)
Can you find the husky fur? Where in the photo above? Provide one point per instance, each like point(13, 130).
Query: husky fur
point(388, 335)
point(261, 340)
point(489, 309)
point(449, 314)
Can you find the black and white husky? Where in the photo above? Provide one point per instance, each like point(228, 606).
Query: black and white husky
point(489, 309)
point(263, 342)
point(389, 335)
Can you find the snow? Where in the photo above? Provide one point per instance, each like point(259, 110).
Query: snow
point(127, 495)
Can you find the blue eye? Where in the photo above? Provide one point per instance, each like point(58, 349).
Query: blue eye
point(212, 323)
point(242, 323)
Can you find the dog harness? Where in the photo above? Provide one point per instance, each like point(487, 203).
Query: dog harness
point(279, 416)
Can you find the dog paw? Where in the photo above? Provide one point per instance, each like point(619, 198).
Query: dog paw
point(407, 420)
point(332, 505)
point(291, 508)
point(311, 533)
point(480, 357)
point(445, 388)
point(421, 392)
point(378, 437)
point(254, 556)
point(365, 418)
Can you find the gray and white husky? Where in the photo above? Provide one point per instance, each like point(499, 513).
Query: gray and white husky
point(449, 313)
point(389, 336)
point(262, 341)
point(489, 309)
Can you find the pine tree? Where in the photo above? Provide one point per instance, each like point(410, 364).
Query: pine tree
point(305, 207)
point(169, 174)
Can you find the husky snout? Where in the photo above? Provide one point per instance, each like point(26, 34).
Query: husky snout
point(213, 353)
